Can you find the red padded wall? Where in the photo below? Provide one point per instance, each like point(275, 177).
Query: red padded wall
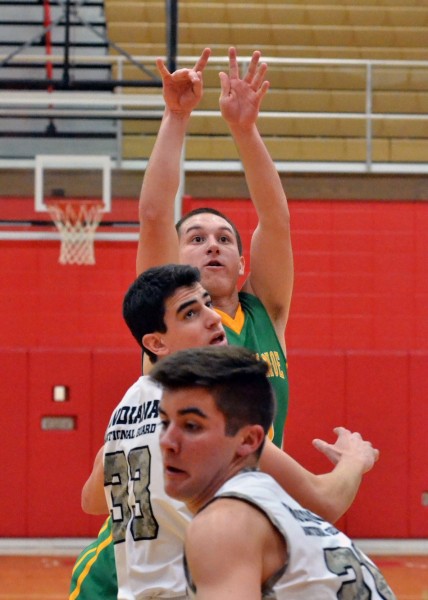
point(57, 458)
point(317, 390)
point(108, 390)
point(418, 445)
point(47, 304)
point(377, 404)
point(14, 448)
point(357, 341)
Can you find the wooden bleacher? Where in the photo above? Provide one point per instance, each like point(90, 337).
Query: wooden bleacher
point(313, 29)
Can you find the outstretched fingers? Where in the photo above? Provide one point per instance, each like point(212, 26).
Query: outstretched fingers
point(253, 67)
point(351, 444)
point(261, 92)
point(233, 64)
point(202, 61)
point(161, 67)
point(255, 76)
point(327, 449)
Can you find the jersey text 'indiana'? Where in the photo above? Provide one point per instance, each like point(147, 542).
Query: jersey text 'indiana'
point(130, 415)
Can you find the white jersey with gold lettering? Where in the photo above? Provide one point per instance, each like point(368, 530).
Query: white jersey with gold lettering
point(148, 526)
point(322, 564)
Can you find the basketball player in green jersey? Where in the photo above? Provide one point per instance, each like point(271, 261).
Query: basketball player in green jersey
point(210, 241)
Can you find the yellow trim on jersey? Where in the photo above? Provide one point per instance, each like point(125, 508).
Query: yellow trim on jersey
point(89, 564)
point(94, 549)
point(235, 323)
point(90, 551)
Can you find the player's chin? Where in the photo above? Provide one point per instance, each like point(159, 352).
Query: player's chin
point(173, 489)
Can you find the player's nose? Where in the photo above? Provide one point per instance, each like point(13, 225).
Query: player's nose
point(212, 317)
point(168, 439)
point(212, 244)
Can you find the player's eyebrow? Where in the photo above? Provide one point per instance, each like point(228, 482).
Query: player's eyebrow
point(182, 307)
point(199, 227)
point(192, 410)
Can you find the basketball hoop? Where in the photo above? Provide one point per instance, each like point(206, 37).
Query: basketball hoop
point(76, 221)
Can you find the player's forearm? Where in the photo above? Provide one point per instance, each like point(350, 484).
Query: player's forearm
point(158, 243)
point(264, 183)
point(341, 486)
point(162, 176)
point(294, 479)
point(328, 495)
point(270, 280)
point(93, 499)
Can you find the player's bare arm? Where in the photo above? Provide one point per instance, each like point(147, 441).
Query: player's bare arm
point(272, 274)
point(243, 547)
point(93, 497)
point(182, 91)
point(329, 494)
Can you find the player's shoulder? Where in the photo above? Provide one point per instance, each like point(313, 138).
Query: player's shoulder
point(228, 515)
point(229, 526)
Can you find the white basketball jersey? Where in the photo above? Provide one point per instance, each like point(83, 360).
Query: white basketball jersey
point(323, 563)
point(148, 526)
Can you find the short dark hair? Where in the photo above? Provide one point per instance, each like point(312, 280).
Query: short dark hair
point(144, 303)
point(211, 211)
point(233, 375)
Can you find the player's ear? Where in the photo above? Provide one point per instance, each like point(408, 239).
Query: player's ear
point(155, 343)
point(241, 265)
point(251, 438)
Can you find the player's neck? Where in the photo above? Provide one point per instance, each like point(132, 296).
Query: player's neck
point(227, 304)
point(205, 495)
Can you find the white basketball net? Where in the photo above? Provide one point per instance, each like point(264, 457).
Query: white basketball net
point(76, 223)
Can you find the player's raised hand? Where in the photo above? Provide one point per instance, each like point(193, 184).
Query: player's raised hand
point(183, 89)
point(240, 99)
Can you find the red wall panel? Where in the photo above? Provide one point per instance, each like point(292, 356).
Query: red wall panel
point(317, 391)
point(377, 405)
point(418, 446)
point(43, 303)
point(59, 461)
point(359, 311)
point(114, 371)
point(14, 423)
point(360, 281)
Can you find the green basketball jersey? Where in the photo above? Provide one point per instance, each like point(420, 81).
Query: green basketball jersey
point(252, 328)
